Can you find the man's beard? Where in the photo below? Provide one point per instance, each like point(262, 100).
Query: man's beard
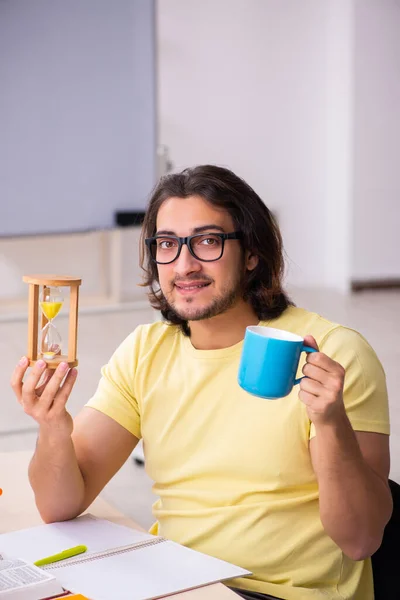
point(219, 305)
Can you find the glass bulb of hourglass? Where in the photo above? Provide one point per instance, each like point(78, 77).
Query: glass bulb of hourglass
point(50, 304)
point(51, 341)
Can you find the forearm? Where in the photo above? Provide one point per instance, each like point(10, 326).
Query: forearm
point(355, 503)
point(56, 478)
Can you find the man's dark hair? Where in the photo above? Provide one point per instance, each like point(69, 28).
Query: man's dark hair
point(261, 236)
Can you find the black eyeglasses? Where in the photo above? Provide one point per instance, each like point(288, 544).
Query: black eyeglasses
point(207, 247)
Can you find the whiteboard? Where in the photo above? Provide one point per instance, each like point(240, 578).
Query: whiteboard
point(77, 113)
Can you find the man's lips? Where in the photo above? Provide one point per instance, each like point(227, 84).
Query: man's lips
point(191, 286)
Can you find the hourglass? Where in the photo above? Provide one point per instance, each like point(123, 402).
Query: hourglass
point(46, 344)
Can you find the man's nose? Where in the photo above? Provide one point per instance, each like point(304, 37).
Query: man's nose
point(186, 262)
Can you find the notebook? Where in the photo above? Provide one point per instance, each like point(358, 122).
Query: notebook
point(120, 562)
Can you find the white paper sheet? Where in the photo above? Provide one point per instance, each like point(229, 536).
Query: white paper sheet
point(140, 574)
point(144, 573)
point(45, 540)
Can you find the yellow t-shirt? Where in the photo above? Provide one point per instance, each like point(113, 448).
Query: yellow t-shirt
point(232, 471)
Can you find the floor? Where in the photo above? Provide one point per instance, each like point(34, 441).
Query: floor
point(374, 314)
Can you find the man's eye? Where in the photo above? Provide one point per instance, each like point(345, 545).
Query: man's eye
point(210, 241)
point(166, 244)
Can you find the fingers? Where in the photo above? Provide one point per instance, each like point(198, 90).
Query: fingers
point(318, 358)
point(42, 386)
point(309, 340)
point(307, 398)
point(314, 373)
point(316, 405)
point(44, 380)
point(322, 361)
point(28, 390)
point(53, 386)
point(64, 391)
point(17, 377)
point(51, 406)
point(321, 397)
point(310, 386)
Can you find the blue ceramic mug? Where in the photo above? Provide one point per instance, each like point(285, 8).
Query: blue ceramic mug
point(269, 361)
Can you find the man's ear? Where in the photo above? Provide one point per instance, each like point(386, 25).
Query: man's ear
point(251, 261)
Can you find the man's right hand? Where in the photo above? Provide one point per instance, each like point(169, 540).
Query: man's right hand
point(44, 394)
point(73, 461)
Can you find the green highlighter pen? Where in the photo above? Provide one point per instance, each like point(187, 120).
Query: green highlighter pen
point(61, 556)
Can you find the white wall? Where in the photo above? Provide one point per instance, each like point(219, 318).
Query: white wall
point(242, 84)
point(301, 99)
point(77, 112)
point(338, 197)
point(377, 140)
point(106, 261)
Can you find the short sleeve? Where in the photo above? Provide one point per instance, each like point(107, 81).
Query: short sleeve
point(115, 395)
point(365, 392)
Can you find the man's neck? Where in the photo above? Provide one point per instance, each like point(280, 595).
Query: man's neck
point(223, 330)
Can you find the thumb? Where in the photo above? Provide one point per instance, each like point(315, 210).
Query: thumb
point(309, 340)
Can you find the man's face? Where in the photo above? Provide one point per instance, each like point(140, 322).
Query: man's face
point(194, 289)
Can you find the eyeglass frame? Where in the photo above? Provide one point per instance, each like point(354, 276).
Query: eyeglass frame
point(235, 235)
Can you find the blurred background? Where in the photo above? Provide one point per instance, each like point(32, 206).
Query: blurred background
point(98, 99)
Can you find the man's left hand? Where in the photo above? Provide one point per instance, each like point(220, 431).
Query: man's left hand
point(322, 388)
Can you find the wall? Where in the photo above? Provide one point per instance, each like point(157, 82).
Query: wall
point(77, 112)
point(301, 99)
point(242, 84)
point(377, 140)
point(106, 261)
point(338, 197)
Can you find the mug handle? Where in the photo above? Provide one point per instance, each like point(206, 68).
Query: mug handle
point(309, 350)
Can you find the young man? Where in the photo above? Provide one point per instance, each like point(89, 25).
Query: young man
point(295, 490)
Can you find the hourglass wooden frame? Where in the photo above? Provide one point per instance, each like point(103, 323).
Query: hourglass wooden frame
point(47, 281)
